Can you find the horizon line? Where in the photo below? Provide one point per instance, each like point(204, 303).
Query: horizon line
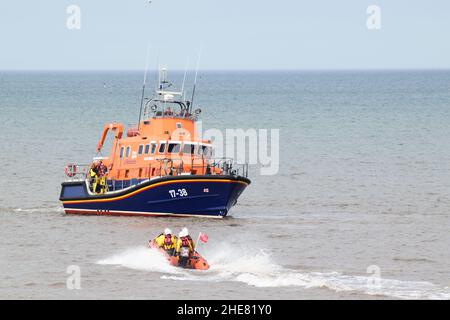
point(231, 70)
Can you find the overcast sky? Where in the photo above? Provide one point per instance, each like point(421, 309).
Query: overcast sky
point(233, 34)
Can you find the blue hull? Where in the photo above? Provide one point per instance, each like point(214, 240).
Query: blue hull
point(211, 196)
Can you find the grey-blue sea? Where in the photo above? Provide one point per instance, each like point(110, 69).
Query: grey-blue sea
point(359, 208)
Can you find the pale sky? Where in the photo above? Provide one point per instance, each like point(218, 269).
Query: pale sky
point(232, 34)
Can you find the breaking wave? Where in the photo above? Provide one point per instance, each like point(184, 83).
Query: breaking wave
point(258, 270)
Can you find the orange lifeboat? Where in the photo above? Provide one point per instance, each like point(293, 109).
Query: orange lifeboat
point(160, 166)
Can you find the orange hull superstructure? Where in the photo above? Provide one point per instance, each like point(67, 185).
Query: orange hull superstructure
point(157, 147)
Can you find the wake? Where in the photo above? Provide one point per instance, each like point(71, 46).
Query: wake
point(141, 258)
point(257, 269)
point(51, 209)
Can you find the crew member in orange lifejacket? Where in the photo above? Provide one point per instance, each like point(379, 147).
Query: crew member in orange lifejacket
point(185, 247)
point(166, 241)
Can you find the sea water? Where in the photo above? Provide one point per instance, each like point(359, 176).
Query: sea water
point(359, 207)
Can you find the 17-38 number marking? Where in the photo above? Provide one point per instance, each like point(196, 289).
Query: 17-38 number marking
point(178, 193)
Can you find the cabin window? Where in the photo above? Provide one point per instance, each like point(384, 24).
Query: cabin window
point(204, 150)
point(153, 148)
point(173, 148)
point(141, 149)
point(162, 148)
point(147, 148)
point(189, 149)
point(128, 152)
point(121, 152)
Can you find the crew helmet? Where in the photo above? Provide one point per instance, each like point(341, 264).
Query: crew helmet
point(184, 232)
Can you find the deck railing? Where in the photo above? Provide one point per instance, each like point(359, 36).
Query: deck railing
point(80, 173)
point(165, 167)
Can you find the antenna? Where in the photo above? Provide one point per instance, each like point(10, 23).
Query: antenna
point(184, 78)
point(159, 76)
point(157, 72)
point(195, 80)
point(143, 86)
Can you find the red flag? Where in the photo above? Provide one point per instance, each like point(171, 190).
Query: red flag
point(203, 237)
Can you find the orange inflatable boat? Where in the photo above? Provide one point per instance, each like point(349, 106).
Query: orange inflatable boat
point(196, 261)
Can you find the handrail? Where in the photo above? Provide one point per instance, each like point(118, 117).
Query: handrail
point(156, 108)
point(209, 166)
point(82, 171)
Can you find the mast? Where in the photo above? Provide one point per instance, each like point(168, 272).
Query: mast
point(195, 82)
